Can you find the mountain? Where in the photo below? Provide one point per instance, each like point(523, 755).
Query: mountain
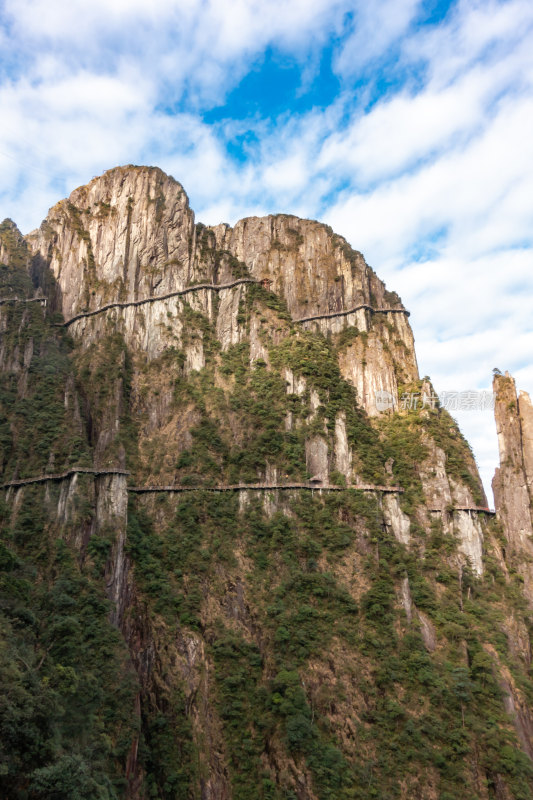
point(244, 552)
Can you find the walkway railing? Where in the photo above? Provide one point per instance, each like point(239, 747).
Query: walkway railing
point(224, 487)
point(214, 287)
point(4, 300)
point(63, 475)
point(352, 311)
point(262, 487)
point(218, 287)
point(482, 509)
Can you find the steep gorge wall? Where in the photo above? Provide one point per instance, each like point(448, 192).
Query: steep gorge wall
point(287, 644)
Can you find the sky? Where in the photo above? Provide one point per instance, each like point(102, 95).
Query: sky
point(405, 125)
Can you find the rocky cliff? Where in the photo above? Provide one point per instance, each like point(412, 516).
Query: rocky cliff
point(228, 568)
point(513, 481)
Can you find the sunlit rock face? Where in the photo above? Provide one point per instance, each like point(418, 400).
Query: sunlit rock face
point(130, 235)
point(513, 480)
point(121, 237)
point(467, 528)
point(396, 520)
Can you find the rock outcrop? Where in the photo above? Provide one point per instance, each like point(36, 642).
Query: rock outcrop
point(513, 480)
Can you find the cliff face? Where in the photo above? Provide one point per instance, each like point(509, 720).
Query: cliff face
point(117, 239)
point(130, 235)
point(513, 481)
point(215, 623)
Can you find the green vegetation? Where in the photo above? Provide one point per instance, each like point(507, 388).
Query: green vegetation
point(66, 701)
point(416, 713)
point(313, 357)
point(103, 383)
point(37, 427)
point(15, 278)
point(406, 436)
point(160, 205)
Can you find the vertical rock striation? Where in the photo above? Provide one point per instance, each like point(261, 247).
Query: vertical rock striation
point(130, 235)
point(513, 480)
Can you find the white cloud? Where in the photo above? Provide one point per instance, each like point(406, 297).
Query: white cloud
point(464, 191)
point(232, 22)
point(401, 131)
point(204, 46)
point(376, 26)
point(476, 29)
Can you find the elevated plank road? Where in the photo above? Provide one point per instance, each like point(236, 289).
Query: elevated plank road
point(348, 311)
point(265, 487)
point(214, 287)
point(218, 287)
point(4, 300)
point(230, 487)
point(60, 476)
point(482, 509)
point(236, 487)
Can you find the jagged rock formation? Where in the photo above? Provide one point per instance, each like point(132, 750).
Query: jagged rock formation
point(228, 645)
point(513, 480)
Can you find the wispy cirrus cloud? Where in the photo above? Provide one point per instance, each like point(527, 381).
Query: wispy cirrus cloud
point(372, 33)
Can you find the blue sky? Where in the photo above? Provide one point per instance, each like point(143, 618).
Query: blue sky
point(406, 125)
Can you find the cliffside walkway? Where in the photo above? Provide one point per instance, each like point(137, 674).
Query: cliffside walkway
point(482, 509)
point(352, 311)
point(266, 487)
point(62, 476)
point(231, 487)
point(224, 487)
point(218, 287)
point(214, 287)
point(5, 300)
